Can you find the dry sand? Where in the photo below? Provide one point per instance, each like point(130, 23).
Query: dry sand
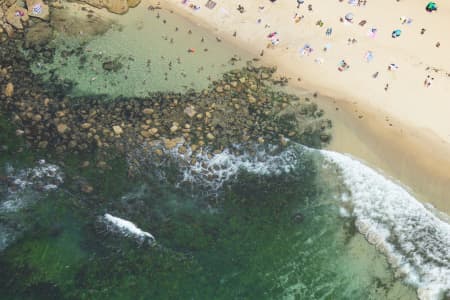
point(405, 130)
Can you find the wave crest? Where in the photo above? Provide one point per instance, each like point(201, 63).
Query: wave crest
point(415, 241)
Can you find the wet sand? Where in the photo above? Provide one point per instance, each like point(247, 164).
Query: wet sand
point(415, 158)
point(418, 159)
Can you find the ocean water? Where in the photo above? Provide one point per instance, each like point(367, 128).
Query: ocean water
point(270, 223)
point(273, 228)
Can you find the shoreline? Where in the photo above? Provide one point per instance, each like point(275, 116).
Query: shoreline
point(372, 139)
point(423, 172)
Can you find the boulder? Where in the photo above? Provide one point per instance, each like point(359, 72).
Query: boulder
point(112, 65)
point(172, 143)
point(62, 128)
point(15, 15)
point(147, 111)
point(86, 125)
point(145, 133)
point(114, 6)
point(190, 111)
point(210, 136)
point(251, 99)
point(43, 144)
point(174, 128)
point(38, 9)
point(9, 90)
point(9, 29)
point(117, 129)
point(86, 188)
point(133, 3)
point(37, 118)
point(182, 150)
point(8, 3)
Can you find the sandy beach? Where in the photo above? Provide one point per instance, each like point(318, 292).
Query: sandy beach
point(391, 110)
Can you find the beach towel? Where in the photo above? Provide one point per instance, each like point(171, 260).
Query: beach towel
point(373, 32)
point(306, 50)
point(37, 9)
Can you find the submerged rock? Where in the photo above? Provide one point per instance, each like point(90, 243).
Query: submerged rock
point(112, 65)
point(38, 35)
point(86, 188)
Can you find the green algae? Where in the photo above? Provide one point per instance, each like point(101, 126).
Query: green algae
point(250, 246)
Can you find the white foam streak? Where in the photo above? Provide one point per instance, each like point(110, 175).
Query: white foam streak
point(128, 228)
point(44, 177)
point(23, 188)
point(219, 168)
point(415, 241)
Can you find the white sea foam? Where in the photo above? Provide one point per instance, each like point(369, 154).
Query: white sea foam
point(219, 168)
point(43, 177)
point(7, 235)
point(127, 228)
point(415, 241)
point(214, 169)
point(24, 187)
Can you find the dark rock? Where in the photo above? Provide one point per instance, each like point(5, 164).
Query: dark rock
point(112, 65)
point(298, 218)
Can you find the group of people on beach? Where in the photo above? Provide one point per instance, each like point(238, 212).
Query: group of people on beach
point(343, 65)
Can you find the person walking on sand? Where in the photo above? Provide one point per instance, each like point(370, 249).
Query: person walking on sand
point(425, 83)
point(300, 2)
point(428, 81)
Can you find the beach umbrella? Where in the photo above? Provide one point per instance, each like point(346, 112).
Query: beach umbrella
point(431, 6)
point(349, 17)
point(396, 33)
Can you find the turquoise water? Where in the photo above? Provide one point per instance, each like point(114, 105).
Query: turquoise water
point(150, 51)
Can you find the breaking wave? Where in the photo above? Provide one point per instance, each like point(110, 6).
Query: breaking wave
point(20, 188)
point(127, 228)
point(44, 177)
point(415, 241)
point(212, 170)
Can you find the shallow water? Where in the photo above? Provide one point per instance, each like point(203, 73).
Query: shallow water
point(150, 56)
